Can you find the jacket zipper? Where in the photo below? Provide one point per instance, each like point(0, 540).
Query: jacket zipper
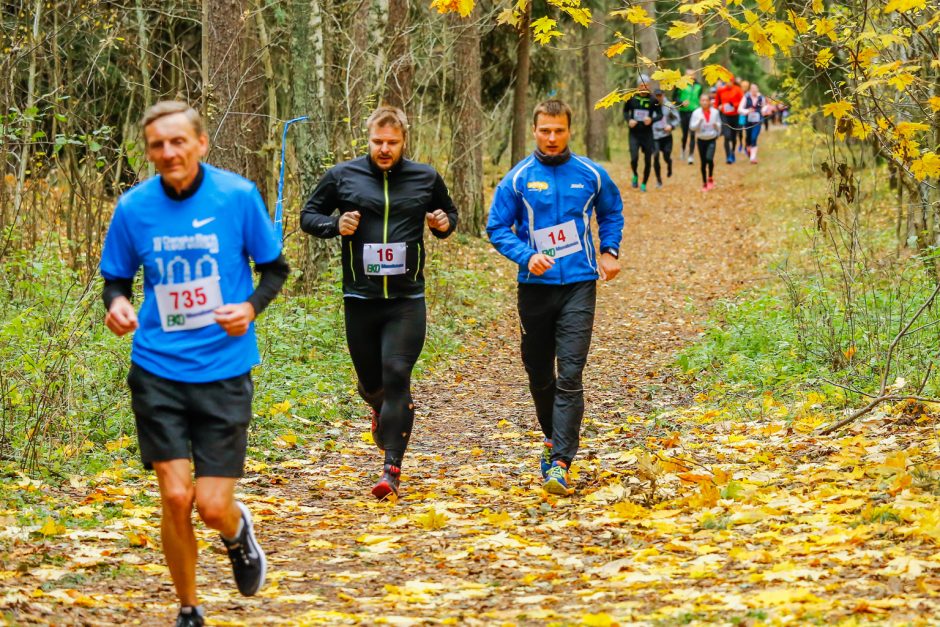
point(385, 229)
point(561, 270)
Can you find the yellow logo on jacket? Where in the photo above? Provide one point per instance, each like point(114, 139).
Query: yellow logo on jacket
point(540, 186)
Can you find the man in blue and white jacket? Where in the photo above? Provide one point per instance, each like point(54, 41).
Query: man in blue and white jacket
point(541, 220)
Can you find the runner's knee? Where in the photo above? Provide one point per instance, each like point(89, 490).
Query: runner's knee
point(178, 499)
point(214, 511)
point(396, 373)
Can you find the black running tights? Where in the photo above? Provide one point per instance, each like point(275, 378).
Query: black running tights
point(706, 154)
point(385, 338)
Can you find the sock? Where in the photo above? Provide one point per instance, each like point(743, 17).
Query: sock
point(238, 532)
point(186, 610)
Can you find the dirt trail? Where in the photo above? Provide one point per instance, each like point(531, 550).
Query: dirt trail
point(473, 539)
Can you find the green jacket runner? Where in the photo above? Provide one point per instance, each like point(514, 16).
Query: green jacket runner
point(689, 94)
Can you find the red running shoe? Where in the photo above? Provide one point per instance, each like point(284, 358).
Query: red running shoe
point(388, 484)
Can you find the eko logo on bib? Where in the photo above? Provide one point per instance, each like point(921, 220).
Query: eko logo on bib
point(384, 259)
point(189, 305)
point(558, 241)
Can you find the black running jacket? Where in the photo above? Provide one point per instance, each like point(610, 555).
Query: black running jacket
point(393, 206)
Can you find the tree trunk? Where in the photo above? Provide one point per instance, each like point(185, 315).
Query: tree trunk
point(520, 109)
point(693, 46)
point(30, 104)
point(237, 132)
point(648, 41)
point(400, 64)
point(467, 126)
point(594, 73)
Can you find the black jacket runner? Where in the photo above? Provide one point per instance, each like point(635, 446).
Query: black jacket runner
point(392, 207)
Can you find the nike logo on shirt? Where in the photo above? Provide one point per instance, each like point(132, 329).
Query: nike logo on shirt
point(201, 223)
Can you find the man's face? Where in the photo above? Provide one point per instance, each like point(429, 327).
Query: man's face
point(386, 144)
point(705, 101)
point(551, 133)
point(690, 72)
point(175, 149)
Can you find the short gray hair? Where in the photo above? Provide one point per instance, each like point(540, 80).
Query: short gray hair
point(172, 107)
point(387, 115)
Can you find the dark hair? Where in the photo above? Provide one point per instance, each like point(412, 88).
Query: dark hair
point(553, 108)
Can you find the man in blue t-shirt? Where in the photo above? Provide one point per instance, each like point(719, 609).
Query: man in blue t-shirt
point(193, 229)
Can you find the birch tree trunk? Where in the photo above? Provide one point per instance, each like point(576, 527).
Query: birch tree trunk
point(520, 108)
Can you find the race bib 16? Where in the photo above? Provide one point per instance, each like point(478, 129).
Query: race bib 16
point(384, 259)
point(187, 306)
point(558, 241)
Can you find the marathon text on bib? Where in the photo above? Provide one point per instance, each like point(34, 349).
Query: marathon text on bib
point(640, 114)
point(558, 241)
point(384, 259)
point(189, 305)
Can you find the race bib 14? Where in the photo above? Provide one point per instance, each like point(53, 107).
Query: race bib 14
point(189, 305)
point(558, 241)
point(384, 259)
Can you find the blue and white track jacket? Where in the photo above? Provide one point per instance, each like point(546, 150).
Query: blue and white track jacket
point(533, 198)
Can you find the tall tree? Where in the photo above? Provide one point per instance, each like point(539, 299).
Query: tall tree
point(520, 109)
point(400, 63)
point(467, 124)
point(594, 74)
point(235, 92)
point(647, 40)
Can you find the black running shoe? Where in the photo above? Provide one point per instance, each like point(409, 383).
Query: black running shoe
point(388, 484)
point(249, 564)
point(194, 618)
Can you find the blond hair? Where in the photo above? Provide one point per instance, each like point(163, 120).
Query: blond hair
point(387, 115)
point(552, 108)
point(172, 107)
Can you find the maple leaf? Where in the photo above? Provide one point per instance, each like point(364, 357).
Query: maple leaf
point(681, 29)
point(610, 99)
point(699, 8)
point(51, 528)
point(431, 520)
point(634, 15)
point(926, 166)
point(781, 34)
point(934, 102)
point(903, 6)
point(545, 31)
point(714, 73)
point(837, 110)
point(824, 58)
point(618, 48)
point(669, 79)
point(826, 27)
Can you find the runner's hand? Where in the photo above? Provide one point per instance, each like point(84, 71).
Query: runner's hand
point(235, 318)
point(539, 264)
point(609, 266)
point(121, 317)
point(631, 123)
point(648, 121)
point(668, 129)
point(438, 220)
point(349, 222)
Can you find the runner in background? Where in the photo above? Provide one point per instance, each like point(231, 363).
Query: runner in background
point(706, 122)
point(727, 98)
point(640, 111)
point(662, 135)
point(686, 99)
point(751, 108)
point(740, 135)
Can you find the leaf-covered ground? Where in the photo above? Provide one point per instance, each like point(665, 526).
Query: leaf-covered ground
point(683, 515)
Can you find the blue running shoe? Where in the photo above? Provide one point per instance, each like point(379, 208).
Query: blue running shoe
point(556, 481)
point(546, 460)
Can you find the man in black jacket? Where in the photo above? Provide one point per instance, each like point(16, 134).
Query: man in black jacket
point(383, 201)
point(640, 112)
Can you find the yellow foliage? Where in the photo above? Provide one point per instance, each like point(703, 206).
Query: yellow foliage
point(708, 52)
point(838, 110)
point(767, 6)
point(680, 29)
point(824, 58)
point(781, 34)
point(431, 520)
point(934, 103)
point(801, 23)
point(610, 99)
point(818, 6)
point(598, 620)
point(634, 15)
point(826, 27)
point(901, 81)
point(714, 73)
point(463, 7)
point(927, 166)
point(669, 79)
point(618, 48)
point(906, 129)
point(902, 6)
point(698, 8)
point(51, 528)
point(544, 30)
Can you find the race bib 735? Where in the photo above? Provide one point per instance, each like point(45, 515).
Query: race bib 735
point(188, 305)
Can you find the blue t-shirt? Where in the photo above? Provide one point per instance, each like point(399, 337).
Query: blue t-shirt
point(211, 233)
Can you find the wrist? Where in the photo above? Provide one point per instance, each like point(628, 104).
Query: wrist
point(613, 252)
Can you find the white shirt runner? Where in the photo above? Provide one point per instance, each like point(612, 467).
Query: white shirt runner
point(384, 259)
point(189, 305)
point(558, 241)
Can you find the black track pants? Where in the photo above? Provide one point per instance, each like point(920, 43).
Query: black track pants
point(706, 153)
point(688, 135)
point(385, 338)
point(664, 148)
point(557, 322)
point(729, 130)
point(644, 141)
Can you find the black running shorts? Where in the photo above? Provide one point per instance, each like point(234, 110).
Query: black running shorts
point(205, 421)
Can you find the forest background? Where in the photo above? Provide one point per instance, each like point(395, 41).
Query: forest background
point(853, 320)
